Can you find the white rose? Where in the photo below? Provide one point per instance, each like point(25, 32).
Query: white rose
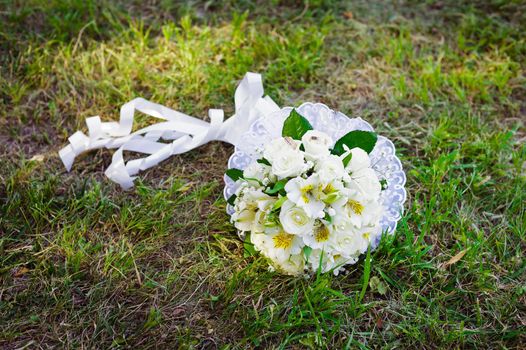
point(316, 144)
point(277, 147)
point(288, 164)
point(349, 242)
point(352, 242)
point(366, 181)
point(262, 242)
point(330, 168)
point(360, 160)
point(294, 219)
point(294, 265)
point(257, 171)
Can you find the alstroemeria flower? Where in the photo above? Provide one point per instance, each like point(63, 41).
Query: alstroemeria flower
point(282, 248)
point(307, 194)
point(356, 209)
point(320, 237)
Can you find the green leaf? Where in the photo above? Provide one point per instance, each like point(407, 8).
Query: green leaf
point(263, 161)
point(377, 285)
point(310, 340)
point(271, 220)
point(383, 182)
point(154, 318)
point(306, 252)
point(331, 198)
point(248, 246)
point(295, 126)
point(278, 186)
point(253, 179)
point(382, 288)
point(328, 218)
point(347, 159)
point(357, 138)
point(366, 275)
point(234, 174)
point(279, 203)
point(319, 269)
point(231, 199)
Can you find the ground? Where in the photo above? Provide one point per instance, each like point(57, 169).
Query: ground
point(84, 264)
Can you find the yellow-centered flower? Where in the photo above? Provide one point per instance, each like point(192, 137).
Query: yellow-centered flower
point(283, 240)
point(355, 206)
point(321, 233)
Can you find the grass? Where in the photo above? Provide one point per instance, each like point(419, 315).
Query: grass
point(86, 265)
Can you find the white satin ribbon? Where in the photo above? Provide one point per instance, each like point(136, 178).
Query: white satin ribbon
point(185, 132)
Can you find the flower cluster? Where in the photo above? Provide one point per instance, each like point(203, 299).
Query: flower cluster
point(308, 203)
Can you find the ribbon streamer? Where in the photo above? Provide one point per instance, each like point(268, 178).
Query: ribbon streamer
point(185, 132)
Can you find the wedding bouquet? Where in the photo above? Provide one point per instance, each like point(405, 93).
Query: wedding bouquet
point(308, 202)
point(309, 188)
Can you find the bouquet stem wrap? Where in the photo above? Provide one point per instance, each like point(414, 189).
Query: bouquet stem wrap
point(184, 132)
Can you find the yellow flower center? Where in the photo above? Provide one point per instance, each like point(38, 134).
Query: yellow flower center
point(305, 191)
point(283, 240)
point(321, 233)
point(355, 206)
point(366, 235)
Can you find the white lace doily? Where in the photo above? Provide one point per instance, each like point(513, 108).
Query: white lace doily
point(336, 124)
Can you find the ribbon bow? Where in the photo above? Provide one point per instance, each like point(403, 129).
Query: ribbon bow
point(185, 132)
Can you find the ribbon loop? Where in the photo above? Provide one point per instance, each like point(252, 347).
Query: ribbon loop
point(184, 132)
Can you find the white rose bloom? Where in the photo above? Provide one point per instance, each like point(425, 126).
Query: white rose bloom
point(359, 160)
point(288, 164)
point(352, 242)
point(294, 265)
point(316, 144)
point(347, 244)
point(330, 168)
point(259, 172)
point(307, 194)
point(277, 147)
point(294, 219)
point(366, 181)
point(261, 242)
